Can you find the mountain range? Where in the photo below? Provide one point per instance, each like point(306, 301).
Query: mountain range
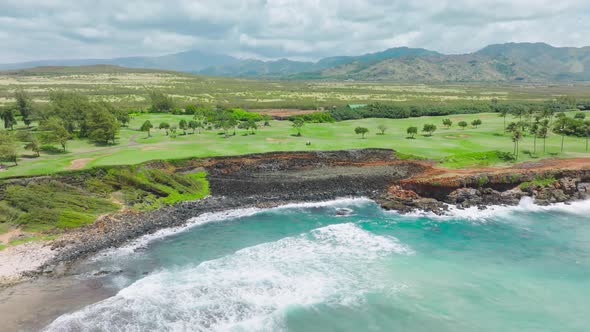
point(520, 62)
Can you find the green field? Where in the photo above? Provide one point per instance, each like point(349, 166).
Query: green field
point(454, 147)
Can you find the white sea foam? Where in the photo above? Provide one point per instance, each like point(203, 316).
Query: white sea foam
point(203, 219)
point(494, 211)
point(207, 218)
point(249, 290)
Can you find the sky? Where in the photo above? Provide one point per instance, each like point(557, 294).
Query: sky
point(272, 29)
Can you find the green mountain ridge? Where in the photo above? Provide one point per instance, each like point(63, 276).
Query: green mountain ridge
point(285, 68)
point(510, 62)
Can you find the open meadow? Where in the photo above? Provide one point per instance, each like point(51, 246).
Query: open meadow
point(453, 147)
point(130, 88)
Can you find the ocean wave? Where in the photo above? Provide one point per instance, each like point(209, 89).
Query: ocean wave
point(212, 217)
point(526, 204)
point(251, 289)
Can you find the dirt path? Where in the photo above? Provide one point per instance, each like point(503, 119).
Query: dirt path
point(5, 238)
point(79, 163)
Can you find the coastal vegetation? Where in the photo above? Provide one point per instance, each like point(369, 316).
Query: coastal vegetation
point(49, 206)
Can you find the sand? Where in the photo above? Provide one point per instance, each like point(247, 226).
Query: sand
point(27, 257)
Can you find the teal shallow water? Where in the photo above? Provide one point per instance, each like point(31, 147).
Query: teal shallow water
point(303, 268)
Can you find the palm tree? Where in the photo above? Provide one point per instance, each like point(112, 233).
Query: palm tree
point(503, 113)
point(516, 136)
point(560, 127)
point(534, 130)
point(543, 132)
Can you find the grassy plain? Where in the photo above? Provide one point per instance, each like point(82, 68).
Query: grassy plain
point(130, 88)
point(453, 147)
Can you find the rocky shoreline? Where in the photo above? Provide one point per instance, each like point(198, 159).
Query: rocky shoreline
point(274, 179)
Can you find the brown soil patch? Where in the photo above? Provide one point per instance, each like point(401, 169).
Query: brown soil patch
point(79, 163)
point(445, 176)
point(282, 113)
point(150, 148)
point(5, 238)
point(458, 136)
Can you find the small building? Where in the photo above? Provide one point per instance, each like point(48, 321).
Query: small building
point(355, 106)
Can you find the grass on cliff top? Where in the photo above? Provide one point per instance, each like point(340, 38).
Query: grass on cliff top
point(51, 206)
point(454, 147)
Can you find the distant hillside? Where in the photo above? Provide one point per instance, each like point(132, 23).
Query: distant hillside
point(190, 61)
point(496, 63)
point(284, 68)
point(81, 70)
point(542, 61)
point(512, 62)
point(258, 68)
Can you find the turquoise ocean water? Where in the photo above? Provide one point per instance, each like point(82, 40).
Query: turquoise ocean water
point(305, 268)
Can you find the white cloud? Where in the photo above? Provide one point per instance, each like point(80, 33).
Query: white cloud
point(303, 29)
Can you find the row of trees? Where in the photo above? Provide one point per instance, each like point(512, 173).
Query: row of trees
point(543, 124)
point(227, 120)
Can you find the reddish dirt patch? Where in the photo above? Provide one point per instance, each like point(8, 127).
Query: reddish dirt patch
point(150, 148)
point(79, 163)
point(5, 238)
point(282, 113)
point(452, 177)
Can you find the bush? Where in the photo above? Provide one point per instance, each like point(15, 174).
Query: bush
point(315, 117)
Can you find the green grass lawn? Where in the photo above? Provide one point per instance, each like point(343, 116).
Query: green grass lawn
point(454, 147)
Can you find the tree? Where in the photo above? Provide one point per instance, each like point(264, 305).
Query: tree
point(382, 128)
point(298, 125)
point(183, 125)
point(462, 124)
point(173, 129)
point(543, 133)
point(194, 125)
point(476, 122)
point(33, 144)
point(429, 128)
point(516, 137)
point(54, 131)
point(102, 125)
point(447, 123)
point(534, 130)
point(190, 109)
point(72, 109)
point(147, 126)
point(24, 105)
point(252, 125)
point(560, 127)
point(587, 132)
point(412, 131)
point(123, 117)
point(7, 115)
point(361, 131)
point(503, 112)
point(165, 126)
point(161, 103)
point(8, 148)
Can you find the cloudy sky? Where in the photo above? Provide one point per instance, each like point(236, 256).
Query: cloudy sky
point(268, 29)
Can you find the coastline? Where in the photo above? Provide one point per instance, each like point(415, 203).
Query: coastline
point(276, 179)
